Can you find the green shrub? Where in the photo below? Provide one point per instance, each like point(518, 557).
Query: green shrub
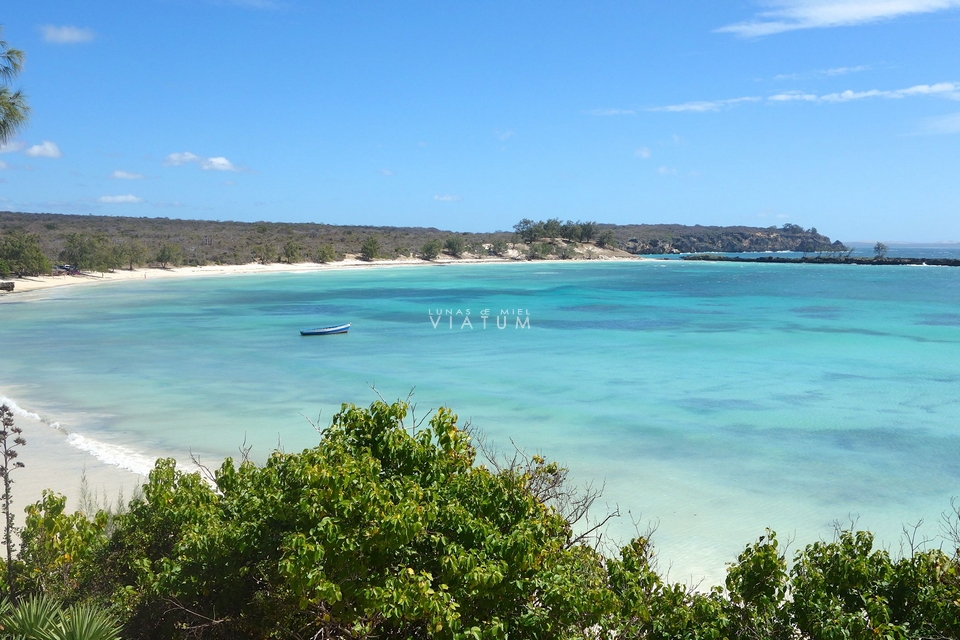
point(455, 246)
point(431, 249)
point(370, 249)
point(326, 253)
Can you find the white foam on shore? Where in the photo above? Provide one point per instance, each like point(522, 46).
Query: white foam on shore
point(17, 410)
point(113, 454)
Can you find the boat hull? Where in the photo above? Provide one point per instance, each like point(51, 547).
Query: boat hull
point(326, 331)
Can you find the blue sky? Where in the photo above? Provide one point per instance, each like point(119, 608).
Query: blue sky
point(838, 114)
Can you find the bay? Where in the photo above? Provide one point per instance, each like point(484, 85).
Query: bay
point(713, 400)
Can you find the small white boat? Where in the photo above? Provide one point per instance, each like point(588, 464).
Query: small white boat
point(326, 331)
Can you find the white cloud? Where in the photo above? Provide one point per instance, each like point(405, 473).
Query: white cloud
point(66, 34)
point(791, 96)
point(45, 149)
point(447, 198)
point(703, 106)
point(943, 125)
point(177, 159)
point(612, 112)
point(125, 175)
point(386, 172)
point(11, 147)
point(642, 152)
point(790, 15)
point(949, 90)
point(126, 199)
point(217, 163)
point(504, 135)
point(830, 73)
point(667, 171)
point(3, 165)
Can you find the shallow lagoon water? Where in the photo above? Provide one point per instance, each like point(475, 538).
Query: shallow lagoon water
point(715, 399)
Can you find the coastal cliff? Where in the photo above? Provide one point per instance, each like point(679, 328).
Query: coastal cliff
point(675, 238)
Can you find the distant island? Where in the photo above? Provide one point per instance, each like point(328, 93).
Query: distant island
point(100, 243)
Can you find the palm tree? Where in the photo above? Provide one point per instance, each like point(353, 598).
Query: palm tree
point(13, 104)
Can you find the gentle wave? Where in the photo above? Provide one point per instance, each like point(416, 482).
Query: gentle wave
point(17, 410)
point(113, 454)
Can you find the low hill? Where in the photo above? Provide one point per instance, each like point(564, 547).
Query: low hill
point(676, 238)
point(202, 242)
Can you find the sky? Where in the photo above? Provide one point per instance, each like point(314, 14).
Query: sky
point(842, 115)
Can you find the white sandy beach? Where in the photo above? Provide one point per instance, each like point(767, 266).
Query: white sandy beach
point(24, 285)
point(52, 462)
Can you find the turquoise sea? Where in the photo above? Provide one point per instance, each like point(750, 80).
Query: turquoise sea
point(712, 399)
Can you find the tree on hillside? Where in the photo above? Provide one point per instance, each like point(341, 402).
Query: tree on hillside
point(588, 231)
point(291, 251)
point(326, 253)
point(431, 249)
point(80, 250)
point(455, 246)
point(370, 249)
point(607, 239)
point(170, 254)
point(20, 253)
point(13, 104)
point(499, 247)
point(134, 253)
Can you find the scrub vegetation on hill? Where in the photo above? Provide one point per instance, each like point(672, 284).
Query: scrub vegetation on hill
point(392, 528)
point(30, 243)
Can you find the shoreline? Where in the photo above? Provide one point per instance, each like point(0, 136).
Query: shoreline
point(53, 463)
point(39, 283)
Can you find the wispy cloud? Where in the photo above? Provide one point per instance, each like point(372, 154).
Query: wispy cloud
point(217, 163)
point(821, 73)
point(45, 149)
point(389, 173)
point(447, 198)
point(12, 147)
point(790, 15)
point(948, 124)
point(125, 175)
point(612, 112)
point(66, 34)
point(642, 152)
point(945, 89)
point(949, 90)
point(667, 171)
point(3, 165)
point(125, 199)
point(703, 106)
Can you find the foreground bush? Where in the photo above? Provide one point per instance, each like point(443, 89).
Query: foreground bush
point(389, 531)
